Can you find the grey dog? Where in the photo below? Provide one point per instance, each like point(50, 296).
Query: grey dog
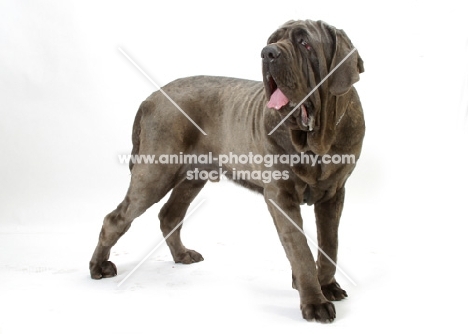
point(309, 67)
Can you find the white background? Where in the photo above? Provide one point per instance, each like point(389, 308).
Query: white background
point(67, 102)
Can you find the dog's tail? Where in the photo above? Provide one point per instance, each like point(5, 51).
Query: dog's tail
point(137, 130)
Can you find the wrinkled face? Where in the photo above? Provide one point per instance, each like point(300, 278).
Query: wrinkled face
point(292, 66)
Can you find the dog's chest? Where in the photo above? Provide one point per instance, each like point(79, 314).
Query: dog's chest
point(319, 182)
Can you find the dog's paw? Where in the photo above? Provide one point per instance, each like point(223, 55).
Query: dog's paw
point(187, 257)
point(333, 291)
point(105, 270)
point(324, 312)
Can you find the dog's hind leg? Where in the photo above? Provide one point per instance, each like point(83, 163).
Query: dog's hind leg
point(172, 213)
point(148, 185)
point(327, 219)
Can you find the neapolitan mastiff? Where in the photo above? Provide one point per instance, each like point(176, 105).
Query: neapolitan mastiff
point(238, 116)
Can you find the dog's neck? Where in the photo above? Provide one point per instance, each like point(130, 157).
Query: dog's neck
point(324, 134)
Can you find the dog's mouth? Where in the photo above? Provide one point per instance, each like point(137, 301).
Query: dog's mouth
point(278, 99)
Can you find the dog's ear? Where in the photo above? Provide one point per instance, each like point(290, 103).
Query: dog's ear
point(347, 73)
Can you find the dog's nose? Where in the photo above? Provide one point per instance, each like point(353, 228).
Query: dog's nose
point(270, 53)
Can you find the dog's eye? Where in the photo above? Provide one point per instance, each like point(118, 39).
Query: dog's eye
point(304, 43)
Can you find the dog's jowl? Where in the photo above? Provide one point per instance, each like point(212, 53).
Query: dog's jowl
point(294, 138)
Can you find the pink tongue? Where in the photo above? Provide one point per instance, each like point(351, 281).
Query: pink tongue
point(277, 100)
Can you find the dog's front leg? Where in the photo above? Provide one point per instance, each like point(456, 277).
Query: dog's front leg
point(288, 221)
point(327, 216)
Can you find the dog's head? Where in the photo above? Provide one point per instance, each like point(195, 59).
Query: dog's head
point(306, 56)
